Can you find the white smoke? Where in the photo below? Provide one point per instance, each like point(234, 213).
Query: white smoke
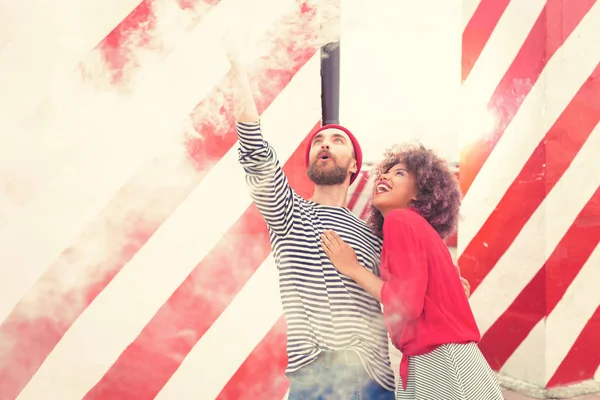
point(86, 135)
point(88, 129)
point(313, 23)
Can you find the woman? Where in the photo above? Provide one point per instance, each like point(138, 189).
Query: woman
point(415, 205)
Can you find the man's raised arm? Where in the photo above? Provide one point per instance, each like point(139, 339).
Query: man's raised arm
point(268, 184)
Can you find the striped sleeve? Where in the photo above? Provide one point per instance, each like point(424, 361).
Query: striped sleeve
point(268, 184)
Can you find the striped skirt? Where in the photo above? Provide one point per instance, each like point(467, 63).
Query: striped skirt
point(450, 372)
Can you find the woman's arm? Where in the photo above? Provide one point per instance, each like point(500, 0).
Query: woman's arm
point(368, 281)
point(405, 257)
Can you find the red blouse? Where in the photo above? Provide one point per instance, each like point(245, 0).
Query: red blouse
point(424, 303)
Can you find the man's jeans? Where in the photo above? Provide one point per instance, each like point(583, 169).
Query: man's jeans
point(320, 380)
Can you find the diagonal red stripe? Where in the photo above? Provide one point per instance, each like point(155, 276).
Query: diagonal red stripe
point(365, 212)
point(150, 361)
point(262, 375)
point(520, 78)
point(136, 31)
point(137, 211)
point(51, 306)
point(530, 187)
point(507, 333)
point(144, 367)
point(361, 184)
point(111, 64)
point(571, 254)
point(583, 359)
point(545, 290)
point(478, 31)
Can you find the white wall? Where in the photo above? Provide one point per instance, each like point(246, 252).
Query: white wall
point(400, 73)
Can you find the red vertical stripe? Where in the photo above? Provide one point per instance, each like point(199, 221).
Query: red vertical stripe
point(478, 31)
point(149, 362)
point(545, 290)
point(262, 375)
point(520, 78)
point(583, 359)
point(529, 189)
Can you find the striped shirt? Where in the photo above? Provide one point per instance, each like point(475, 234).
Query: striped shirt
point(324, 310)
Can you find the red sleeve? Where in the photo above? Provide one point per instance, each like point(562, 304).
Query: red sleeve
point(403, 253)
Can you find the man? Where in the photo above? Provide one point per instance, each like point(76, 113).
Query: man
point(337, 341)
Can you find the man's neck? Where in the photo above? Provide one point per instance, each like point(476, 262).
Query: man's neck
point(334, 195)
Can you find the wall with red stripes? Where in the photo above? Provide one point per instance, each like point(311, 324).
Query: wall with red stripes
point(132, 262)
point(528, 242)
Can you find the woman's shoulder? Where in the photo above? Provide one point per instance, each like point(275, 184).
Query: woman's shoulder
point(404, 218)
point(408, 222)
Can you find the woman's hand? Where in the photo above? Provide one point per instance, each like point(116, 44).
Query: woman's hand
point(342, 256)
point(466, 286)
point(465, 283)
point(344, 259)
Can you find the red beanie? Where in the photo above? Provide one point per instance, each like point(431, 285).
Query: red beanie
point(357, 150)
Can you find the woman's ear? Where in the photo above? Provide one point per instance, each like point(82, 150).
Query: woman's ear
point(415, 195)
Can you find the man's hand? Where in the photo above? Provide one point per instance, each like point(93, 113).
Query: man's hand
point(244, 107)
point(232, 58)
point(342, 256)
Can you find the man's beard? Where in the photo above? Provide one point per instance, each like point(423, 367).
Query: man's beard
point(327, 176)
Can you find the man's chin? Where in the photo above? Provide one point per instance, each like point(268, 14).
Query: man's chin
point(326, 180)
point(327, 175)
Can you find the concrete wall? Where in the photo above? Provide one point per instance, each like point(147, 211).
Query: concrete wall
point(529, 238)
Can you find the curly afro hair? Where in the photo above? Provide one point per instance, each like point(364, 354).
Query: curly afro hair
point(438, 193)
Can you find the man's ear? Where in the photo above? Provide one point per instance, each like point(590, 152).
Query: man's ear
point(353, 167)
